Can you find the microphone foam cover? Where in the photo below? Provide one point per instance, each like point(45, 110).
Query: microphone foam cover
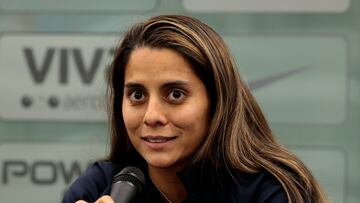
point(133, 175)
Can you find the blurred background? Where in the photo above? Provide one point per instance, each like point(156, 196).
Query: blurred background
point(301, 59)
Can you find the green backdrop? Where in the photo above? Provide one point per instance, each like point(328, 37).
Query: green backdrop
point(301, 61)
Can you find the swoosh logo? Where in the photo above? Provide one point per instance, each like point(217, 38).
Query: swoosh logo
point(268, 80)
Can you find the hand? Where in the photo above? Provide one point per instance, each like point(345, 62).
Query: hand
point(103, 199)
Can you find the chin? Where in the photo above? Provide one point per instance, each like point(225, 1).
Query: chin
point(166, 164)
point(159, 163)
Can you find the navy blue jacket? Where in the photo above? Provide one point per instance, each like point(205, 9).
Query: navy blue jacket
point(219, 187)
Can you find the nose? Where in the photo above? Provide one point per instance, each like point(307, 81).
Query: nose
point(155, 113)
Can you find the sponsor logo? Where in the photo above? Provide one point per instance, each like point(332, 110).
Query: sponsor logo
point(296, 79)
point(40, 172)
point(43, 168)
point(54, 77)
point(62, 77)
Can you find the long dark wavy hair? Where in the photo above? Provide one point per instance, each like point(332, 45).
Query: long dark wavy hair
point(239, 136)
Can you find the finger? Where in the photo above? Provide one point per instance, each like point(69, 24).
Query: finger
point(105, 199)
point(80, 201)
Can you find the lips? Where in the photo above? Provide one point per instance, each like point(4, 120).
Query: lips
point(157, 139)
point(159, 142)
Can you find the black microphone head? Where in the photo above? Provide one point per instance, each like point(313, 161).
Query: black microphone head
point(133, 175)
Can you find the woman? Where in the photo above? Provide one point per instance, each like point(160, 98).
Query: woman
point(181, 113)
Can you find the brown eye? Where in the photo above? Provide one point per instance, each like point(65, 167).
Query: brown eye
point(136, 96)
point(176, 96)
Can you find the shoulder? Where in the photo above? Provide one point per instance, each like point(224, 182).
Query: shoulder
point(260, 187)
point(92, 184)
point(235, 186)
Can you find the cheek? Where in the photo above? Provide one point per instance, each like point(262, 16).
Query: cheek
point(193, 119)
point(131, 119)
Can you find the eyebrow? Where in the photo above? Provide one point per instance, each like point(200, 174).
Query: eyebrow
point(176, 83)
point(132, 85)
point(165, 85)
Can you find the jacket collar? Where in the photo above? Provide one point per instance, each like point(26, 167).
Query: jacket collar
point(198, 177)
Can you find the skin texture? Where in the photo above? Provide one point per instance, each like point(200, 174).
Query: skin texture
point(163, 98)
point(166, 114)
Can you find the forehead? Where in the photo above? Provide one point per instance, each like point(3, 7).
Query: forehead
point(150, 63)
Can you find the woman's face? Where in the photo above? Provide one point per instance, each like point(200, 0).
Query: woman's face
point(165, 107)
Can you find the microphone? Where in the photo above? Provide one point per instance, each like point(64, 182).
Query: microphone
point(127, 184)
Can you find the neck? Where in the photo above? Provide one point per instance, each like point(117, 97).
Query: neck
point(169, 184)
